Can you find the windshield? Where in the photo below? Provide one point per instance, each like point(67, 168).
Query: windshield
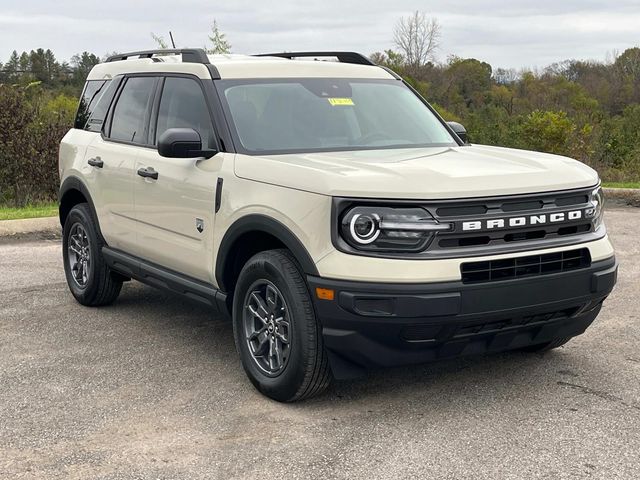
point(323, 114)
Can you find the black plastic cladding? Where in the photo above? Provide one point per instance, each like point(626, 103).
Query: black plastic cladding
point(457, 244)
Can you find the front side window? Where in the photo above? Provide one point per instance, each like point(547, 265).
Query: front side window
point(130, 112)
point(318, 114)
point(183, 105)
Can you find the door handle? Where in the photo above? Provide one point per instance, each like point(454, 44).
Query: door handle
point(148, 172)
point(96, 162)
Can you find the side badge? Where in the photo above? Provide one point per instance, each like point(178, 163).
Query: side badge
point(199, 225)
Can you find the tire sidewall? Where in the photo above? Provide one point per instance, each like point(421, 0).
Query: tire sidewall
point(284, 386)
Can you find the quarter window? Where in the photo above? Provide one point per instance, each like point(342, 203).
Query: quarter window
point(99, 112)
point(92, 92)
point(183, 105)
point(129, 115)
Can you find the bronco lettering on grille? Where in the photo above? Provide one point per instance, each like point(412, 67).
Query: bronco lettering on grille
point(523, 221)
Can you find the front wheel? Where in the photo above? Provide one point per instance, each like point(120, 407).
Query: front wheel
point(275, 329)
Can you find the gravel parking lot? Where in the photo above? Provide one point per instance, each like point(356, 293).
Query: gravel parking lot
point(151, 387)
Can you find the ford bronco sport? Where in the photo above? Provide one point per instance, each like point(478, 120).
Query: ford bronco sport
point(329, 210)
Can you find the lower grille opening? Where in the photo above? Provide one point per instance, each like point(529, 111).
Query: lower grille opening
point(439, 333)
point(531, 265)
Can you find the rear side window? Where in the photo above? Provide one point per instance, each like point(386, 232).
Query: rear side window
point(183, 105)
point(129, 118)
point(90, 95)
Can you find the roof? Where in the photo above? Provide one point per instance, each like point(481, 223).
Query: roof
point(236, 67)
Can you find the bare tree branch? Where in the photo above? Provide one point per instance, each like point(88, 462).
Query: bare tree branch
point(418, 37)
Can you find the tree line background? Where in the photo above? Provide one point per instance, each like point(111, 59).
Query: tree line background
point(588, 110)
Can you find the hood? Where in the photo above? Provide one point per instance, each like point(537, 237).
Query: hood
point(425, 173)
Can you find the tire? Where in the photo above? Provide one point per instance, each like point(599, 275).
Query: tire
point(545, 347)
point(301, 370)
point(94, 285)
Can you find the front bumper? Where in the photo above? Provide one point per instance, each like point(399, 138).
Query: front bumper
point(371, 325)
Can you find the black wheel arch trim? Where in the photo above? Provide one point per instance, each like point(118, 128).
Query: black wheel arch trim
point(74, 183)
point(261, 224)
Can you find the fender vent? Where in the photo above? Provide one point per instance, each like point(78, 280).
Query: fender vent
point(529, 266)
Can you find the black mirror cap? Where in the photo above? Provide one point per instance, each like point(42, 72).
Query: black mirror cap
point(459, 130)
point(182, 143)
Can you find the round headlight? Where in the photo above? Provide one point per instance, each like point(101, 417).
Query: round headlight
point(378, 228)
point(365, 228)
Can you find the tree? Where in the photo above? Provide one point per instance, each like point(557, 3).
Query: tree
point(82, 64)
point(418, 37)
point(505, 75)
point(12, 67)
point(162, 43)
point(629, 62)
point(38, 64)
point(393, 60)
point(219, 42)
point(469, 80)
point(547, 131)
point(24, 69)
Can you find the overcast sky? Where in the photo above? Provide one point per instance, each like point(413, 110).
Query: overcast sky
point(506, 33)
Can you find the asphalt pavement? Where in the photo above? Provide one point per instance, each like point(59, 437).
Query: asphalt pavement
point(151, 388)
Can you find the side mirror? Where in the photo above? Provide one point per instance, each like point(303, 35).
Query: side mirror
point(459, 130)
point(182, 143)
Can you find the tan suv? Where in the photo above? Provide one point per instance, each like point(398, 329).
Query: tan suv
point(329, 209)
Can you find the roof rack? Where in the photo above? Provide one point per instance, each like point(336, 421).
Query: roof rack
point(343, 57)
point(189, 55)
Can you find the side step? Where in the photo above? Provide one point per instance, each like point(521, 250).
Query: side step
point(165, 279)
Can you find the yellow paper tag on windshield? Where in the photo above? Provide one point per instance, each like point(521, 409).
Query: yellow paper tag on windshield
point(340, 101)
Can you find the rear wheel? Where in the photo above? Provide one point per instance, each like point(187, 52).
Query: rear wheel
point(544, 347)
point(276, 332)
point(89, 278)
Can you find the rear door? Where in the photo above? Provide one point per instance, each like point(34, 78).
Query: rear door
point(175, 210)
point(112, 158)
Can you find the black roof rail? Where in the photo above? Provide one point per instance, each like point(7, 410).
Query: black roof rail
point(189, 55)
point(343, 57)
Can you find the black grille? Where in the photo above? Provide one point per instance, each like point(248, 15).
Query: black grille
point(506, 207)
point(529, 266)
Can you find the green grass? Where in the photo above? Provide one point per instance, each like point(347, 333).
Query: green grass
point(30, 211)
point(621, 184)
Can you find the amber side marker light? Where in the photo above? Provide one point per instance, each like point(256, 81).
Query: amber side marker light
point(325, 293)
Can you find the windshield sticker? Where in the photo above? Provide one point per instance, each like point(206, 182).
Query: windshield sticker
point(340, 101)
